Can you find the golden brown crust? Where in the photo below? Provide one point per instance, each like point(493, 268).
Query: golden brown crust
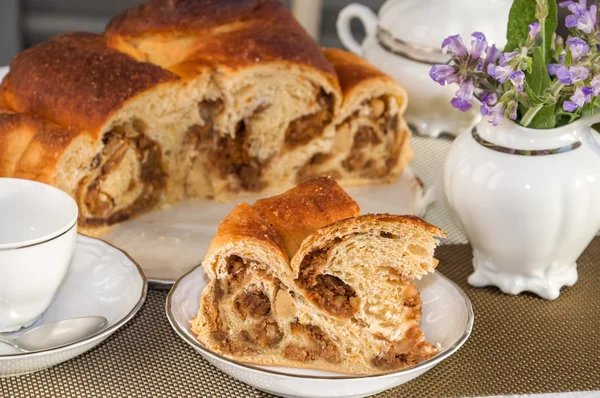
point(16, 132)
point(75, 80)
point(30, 147)
point(183, 16)
point(244, 222)
point(304, 209)
point(260, 42)
point(40, 161)
point(283, 221)
point(352, 70)
point(232, 33)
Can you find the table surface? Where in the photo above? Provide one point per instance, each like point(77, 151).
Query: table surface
point(146, 357)
point(519, 345)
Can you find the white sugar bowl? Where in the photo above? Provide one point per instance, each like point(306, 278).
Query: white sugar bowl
point(38, 229)
point(404, 41)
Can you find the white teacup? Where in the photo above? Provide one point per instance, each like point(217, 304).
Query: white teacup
point(38, 230)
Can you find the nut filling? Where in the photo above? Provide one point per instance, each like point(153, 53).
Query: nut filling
point(379, 130)
point(260, 329)
point(367, 137)
point(201, 138)
point(327, 291)
point(399, 356)
point(306, 128)
point(125, 178)
point(318, 345)
point(237, 271)
point(228, 155)
point(255, 304)
point(266, 334)
point(232, 158)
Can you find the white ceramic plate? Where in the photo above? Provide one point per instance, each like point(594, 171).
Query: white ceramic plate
point(447, 319)
point(170, 242)
point(102, 281)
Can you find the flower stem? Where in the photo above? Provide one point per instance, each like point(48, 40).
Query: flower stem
point(530, 114)
point(542, 13)
point(556, 87)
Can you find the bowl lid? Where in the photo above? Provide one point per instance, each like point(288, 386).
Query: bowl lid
point(416, 28)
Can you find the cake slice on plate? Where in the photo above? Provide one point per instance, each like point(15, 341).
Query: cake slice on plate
point(302, 280)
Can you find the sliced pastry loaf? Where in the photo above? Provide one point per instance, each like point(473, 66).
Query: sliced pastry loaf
point(196, 98)
point(357, 274)
point(371, 142)
point(101, 125)
point(301, 280)
point(273, 93)
point(248, 311)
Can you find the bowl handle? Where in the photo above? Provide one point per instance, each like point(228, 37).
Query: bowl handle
point(365, 15)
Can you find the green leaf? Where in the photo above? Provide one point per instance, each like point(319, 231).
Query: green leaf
point(522, 13)
point(544, 119)
point(538, 81)
point(539, 78)
point(551, 25)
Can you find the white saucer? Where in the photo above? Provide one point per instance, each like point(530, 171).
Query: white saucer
point(447, 319)
point(170, 242)
point(101, 280)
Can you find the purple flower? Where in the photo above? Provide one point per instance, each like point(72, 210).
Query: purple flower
point(573, 6)
point(578, 73)
point(569, 106)
point(587, 21)
point(582, 96)
point(553, 69)
point(443, 74)
point(534, 30)
point(464, 96)
point(582, 18)
point(571, 75)
point(492, 54)
point(489, 98)
point(578, 47)
point(506, 57)
point(562, 58)
point(495, 112)
point(500, 73)
point(595, 83)
point(455, 45)
point(517, 78)
point(478, 45)
point(480, 64)
point(563, 74)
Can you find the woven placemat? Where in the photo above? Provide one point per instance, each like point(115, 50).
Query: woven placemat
point(519, 345)
point(428, 165)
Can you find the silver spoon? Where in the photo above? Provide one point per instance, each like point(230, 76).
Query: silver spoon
point(56, 334)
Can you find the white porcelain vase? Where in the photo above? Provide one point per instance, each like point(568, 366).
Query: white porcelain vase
point(528, 201)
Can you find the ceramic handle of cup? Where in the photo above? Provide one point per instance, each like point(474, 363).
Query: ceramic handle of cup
point(348, 13)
